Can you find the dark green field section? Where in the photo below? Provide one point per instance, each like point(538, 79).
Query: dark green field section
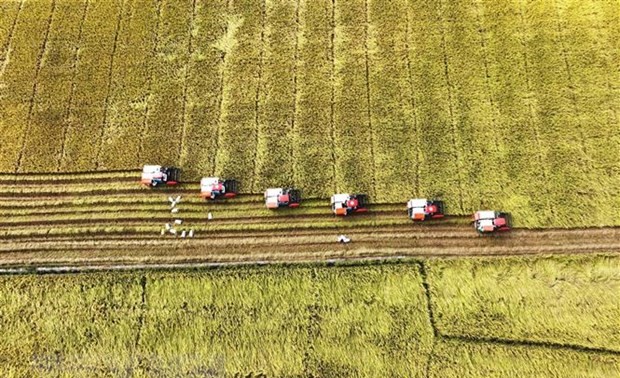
point(511, 104)
point(524, 317)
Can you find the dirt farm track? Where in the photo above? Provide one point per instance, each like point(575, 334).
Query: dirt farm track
point(106, 218)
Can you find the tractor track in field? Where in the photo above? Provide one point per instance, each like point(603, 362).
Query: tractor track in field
point(160, 220)
point(64, 181)
point(456, 240)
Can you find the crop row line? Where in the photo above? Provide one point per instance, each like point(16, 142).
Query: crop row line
point(35, 87)
point(332, 104)
point(261, 56)
point(450, 89)
point(106, 102)
point(187, 69)
point(149, 92)
point(541, 159)
point(416, 126)
point(531, 343)
point(6, 49)
point(74, 73)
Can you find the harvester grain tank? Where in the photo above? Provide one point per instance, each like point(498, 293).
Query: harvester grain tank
point(155, 175)
point(345, 204)
point(490, 221)
point(214, 187)
point(421, 209)
point(282, 197)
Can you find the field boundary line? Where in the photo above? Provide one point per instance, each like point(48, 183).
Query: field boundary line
point(455, 132)
point(416, 126)
point(143, 304)
point(188, 66)
point(295, 148)
point(368, 101)
point(530, 343)
point(106, 106)
point(430, 312)
point(74, 69)
point(149, 92)
point(47, 269)
point(9, 41)
point(35, 86)
point(313, 326)
point(332, 124)
point(50, 270)
point(261, 56)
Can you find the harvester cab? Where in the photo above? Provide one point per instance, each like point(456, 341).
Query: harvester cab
point(345, 204)
point(213, 187)
point(489, 221)
point(154, 175)
point(421, 209)
point(282, 197)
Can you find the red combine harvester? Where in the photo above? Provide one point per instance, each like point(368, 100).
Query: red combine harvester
point(345, 204)
point(421, 209)
point(155, 175)
point(282, 197)
point(213, 188)
point(489, 221)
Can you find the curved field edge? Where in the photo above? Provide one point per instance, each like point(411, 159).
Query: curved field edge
point(297, 320)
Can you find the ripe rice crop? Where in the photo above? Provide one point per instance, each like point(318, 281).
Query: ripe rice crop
point(509, 105)
point(310, 320)
point(569, 301)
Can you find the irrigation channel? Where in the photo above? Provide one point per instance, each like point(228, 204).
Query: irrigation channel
point(105, 220)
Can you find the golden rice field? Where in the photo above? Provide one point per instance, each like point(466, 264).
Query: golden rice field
point(510, 104)
point(525, 317)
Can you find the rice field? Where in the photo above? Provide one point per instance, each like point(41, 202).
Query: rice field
point(510, 105)
point(311, 320)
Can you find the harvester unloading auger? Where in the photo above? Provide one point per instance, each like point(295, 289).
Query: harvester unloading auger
point(155, 175)
point(214, 187)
